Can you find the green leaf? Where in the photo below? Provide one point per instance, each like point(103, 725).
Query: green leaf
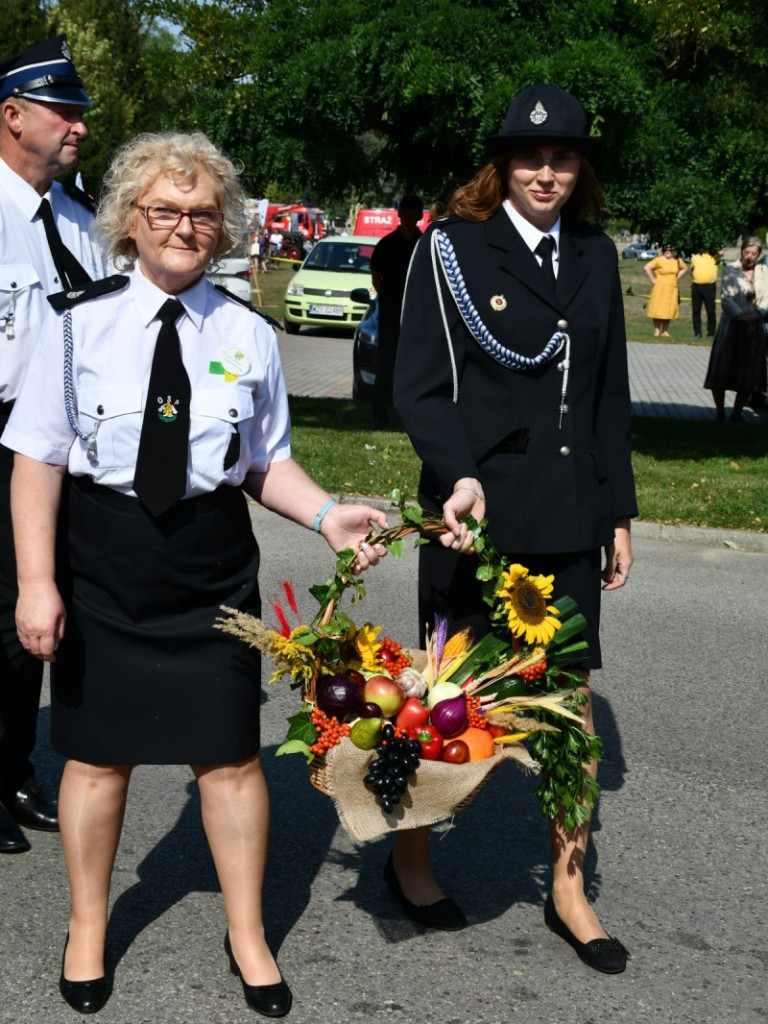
point(300, 728)
point(396, 547)
point(294, 747)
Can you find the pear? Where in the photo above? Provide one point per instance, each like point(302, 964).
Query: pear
point(366, 732)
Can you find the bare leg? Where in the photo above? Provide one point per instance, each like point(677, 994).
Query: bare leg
point(664, 324)
point(656, 327)
point(235, 806)
point(91, 808)
point(568, 852)
point(410, 859)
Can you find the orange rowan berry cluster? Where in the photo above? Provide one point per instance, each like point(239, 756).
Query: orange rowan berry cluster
point(329, 731)
point(475, 716)
point(391, 656)
point(534, 672)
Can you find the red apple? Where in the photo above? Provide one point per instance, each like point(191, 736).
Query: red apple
point(386, 693)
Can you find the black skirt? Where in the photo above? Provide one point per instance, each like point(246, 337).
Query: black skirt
point(448, 587)
point(141, 676)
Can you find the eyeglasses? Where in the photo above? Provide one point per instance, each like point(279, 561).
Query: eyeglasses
point(166, 218)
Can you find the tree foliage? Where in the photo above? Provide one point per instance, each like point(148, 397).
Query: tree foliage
point(348, 101)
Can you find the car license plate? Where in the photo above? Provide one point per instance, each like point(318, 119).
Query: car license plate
point(326, 311)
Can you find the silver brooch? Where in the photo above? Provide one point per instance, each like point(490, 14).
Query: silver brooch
point(538, 115)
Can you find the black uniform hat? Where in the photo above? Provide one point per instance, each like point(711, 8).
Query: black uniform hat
point(543, 113)
point(44, 72)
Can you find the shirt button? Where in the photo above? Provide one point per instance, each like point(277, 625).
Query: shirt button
point(565, 451)
point(233, 413)
point(13, 284)
point(100, 410)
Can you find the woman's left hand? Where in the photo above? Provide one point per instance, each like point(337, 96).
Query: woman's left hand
point(350, 526)
point(618, 557)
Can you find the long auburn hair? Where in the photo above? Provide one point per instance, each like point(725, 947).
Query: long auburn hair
point(481, 197)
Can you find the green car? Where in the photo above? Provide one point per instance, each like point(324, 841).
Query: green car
point(319, 293)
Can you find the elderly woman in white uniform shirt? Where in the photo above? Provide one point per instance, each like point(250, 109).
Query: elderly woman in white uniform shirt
point(139, 674)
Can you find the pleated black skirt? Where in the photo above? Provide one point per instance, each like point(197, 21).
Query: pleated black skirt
point(141, 676)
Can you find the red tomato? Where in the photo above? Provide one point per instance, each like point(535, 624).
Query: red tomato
point(456, 752)
point(411, 713)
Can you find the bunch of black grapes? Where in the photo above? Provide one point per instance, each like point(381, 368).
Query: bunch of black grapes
point(398, 757)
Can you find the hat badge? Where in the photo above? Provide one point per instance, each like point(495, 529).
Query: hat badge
point(65, 50)
point(538, 115)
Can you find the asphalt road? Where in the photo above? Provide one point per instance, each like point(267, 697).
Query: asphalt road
point(677, 864)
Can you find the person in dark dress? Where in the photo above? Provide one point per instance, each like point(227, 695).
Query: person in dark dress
point(389, 267)
point(162, 405)
point(511, 381)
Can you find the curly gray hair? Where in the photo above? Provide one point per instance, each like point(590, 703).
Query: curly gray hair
point(138, 164)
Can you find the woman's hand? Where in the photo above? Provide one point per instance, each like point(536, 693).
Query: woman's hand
point(40, 619)
point(350, 526)
point(467, 500)
point(618, 557)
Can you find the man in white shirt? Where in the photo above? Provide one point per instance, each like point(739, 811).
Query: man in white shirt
point(45, 247)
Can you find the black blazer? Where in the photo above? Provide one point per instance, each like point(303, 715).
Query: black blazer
point(549, 488)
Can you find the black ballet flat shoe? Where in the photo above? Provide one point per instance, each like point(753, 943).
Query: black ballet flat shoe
point(606, 955)
point(444, 915)
point(269, 1000)
point(12, 839)
point(83, 996)
point(28, 807)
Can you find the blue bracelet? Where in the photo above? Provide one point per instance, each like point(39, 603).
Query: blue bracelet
point(321, 515)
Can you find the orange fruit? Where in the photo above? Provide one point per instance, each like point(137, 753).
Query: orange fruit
point(479, 741)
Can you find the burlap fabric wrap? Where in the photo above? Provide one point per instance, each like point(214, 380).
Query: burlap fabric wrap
point(435, 792)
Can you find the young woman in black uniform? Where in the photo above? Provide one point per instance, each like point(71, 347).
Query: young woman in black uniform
point(511, 380)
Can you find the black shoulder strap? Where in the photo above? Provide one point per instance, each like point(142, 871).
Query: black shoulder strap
point(79, 196)
point(249, 305)
point(66, 300)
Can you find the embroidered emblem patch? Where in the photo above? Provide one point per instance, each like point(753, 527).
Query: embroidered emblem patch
point(168, 410)
point(538, 115)
point(498, 303)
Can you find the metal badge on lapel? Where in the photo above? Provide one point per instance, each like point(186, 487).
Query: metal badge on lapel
point(498, 303)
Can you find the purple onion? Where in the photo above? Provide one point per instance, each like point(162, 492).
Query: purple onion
point(449, 717)
point(337, 696)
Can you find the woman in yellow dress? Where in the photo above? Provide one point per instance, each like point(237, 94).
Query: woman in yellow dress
point(664, 272)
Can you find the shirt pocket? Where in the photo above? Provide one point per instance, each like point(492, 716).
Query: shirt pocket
point(115, 412)
point(19, 303)
point(216, 417)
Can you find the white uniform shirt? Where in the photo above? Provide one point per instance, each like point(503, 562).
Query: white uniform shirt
point(531, 235)
point(27, 272)
point(231, 357)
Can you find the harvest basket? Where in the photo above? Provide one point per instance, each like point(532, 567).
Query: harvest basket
point(437, 790)
point(513, 678)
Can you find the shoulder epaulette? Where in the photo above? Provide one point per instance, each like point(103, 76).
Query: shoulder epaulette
point(66, 300)
point(249, 305)
point(79, 196)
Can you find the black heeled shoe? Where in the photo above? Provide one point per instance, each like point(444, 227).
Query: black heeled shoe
point(606, 955)
point(83, 996)
point(445, 915)
point(269, 1000)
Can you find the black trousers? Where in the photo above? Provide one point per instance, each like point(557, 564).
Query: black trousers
point(21, 675)
point(703, 293)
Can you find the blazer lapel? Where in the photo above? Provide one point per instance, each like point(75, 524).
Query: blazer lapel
point(572, 270)
point(516, 258)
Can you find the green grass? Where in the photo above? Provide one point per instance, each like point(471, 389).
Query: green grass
point(695, 473)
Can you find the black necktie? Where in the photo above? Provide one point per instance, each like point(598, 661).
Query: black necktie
point(161, 464)
point(71, 275)
point(544, 249)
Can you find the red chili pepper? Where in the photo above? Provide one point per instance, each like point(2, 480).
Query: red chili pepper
point(430, 739)
point(411, 713)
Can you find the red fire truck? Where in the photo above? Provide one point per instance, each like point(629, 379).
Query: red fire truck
point(300, 224)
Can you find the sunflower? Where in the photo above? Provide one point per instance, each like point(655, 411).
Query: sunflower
point(525, 603)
